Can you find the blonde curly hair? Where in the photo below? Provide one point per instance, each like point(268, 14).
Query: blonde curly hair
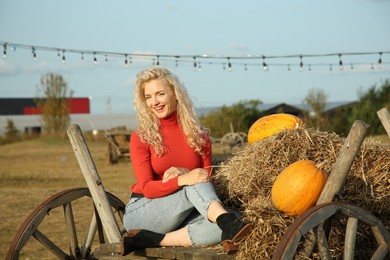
point(148, 124)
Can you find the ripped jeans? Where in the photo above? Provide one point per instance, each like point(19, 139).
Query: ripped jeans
point(186, 207)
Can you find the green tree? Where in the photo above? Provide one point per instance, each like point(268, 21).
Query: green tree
point(240, 116)
point(11, 132)
point(369, 103)
point(316, 100)
point(53, 101)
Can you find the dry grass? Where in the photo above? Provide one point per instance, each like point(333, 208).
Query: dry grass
point(246, 181)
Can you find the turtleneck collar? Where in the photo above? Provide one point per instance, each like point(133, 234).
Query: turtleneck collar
point(169, 120)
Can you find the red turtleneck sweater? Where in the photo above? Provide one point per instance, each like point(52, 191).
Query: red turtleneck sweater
point(149, 168)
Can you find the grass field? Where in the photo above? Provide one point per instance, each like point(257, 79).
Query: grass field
point(32, 171)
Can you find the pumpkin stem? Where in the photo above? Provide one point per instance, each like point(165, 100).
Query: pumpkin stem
point(319, 165)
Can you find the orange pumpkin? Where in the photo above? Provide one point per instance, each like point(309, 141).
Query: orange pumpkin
point(298, 187)
point(272, 124)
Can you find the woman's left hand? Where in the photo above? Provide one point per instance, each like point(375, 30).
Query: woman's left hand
point(173, 172)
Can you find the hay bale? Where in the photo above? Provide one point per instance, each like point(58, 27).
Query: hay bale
point(245, 181)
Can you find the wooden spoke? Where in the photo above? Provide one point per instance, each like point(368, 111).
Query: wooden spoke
point(35, 220)
point(314, 218)
point(71, 227)
point(91, 232)
point(50, 245)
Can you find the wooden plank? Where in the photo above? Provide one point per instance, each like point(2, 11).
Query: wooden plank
point(344, 162)
point(178, 253)
point(350, 239)
point(94, 183)
point(384, 116)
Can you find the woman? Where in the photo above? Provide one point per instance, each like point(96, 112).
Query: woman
point(173, 202)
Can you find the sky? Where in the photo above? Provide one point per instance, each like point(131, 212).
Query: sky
point(243, 30)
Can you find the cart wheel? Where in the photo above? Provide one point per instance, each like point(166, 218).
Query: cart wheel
point(313, 221)
point(111, 155)
point(44, 221)
point(233, 139)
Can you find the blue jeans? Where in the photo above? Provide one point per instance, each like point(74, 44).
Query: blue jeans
point(186, 207)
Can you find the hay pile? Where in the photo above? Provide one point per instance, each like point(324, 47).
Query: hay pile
point(245, 182)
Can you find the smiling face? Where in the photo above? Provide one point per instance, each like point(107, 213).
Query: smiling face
point(160, 97)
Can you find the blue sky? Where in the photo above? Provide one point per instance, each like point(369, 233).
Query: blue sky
point(215, 28)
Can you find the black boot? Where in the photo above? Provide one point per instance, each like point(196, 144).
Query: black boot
point(138, 239)
point(233, 230)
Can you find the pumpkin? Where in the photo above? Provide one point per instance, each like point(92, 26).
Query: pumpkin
point(298, 187)
point(272, 124)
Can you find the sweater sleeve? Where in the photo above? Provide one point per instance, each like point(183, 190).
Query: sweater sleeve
point(207, 156)
point(148, 183)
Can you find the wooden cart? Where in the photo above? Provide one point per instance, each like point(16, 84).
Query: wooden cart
point(108, 212)
point(117, 146)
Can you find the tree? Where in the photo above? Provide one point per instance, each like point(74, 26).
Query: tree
point(11, 132)
point(316, 100)
point(53, 101)
point(369, 103)
point(240, 116)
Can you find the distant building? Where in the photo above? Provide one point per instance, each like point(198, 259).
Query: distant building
point(300, 110)
point(28, 106)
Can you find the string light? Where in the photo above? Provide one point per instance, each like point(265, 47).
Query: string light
point(199, 66)
point(195, 64)
point(228, 62)
point(126, 61)
point(380, 61)
point(341, 66)
point(177, 61)
point(265, 67)
point(34, 54)
point(300, 63)
point(5, 50)
point(63, 56)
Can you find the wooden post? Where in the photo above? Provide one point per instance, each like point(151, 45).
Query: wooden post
point(339, 174)
point(384, 116)
point(94, 183)
point(344, 162)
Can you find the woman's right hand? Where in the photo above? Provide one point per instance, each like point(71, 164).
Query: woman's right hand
point(195, 176)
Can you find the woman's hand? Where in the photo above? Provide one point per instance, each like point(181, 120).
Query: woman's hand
point(195, 176)
point(173, 172)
